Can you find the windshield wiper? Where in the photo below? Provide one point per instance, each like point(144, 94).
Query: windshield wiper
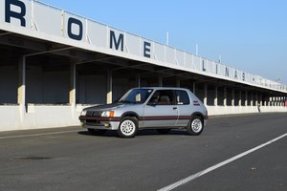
point(124, 101)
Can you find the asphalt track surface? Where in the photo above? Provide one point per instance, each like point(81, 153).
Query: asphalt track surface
point(70, 159)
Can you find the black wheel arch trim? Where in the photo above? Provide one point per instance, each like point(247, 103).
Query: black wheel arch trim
point(198, 114)
point(130, 114)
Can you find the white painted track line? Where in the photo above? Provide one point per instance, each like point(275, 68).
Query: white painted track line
point(212, 168)
point(39, 134)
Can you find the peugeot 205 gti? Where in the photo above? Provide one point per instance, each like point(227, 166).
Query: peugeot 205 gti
point(153, 107)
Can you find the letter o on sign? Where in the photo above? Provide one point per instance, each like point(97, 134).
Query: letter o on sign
point(75, 29)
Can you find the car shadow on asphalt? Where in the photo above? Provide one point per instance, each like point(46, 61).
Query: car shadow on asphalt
point(146, 132)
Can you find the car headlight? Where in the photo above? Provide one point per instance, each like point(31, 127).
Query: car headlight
point(108, 114)
point(83, 113)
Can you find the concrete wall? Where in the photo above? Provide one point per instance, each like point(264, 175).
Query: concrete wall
point(51, 116)
point(39, 116)
point(10, 117)
point(221, 110)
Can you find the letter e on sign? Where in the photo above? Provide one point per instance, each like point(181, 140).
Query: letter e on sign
point(147, 47)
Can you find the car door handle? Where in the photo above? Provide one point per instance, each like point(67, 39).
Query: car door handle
point(174, 108)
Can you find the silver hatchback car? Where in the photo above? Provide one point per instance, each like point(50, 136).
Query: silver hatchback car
point(152, 107)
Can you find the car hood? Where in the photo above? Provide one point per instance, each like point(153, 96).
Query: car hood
point(105, 107)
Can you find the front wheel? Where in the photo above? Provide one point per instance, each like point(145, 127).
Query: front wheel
point(128, 127)
point(195, 126)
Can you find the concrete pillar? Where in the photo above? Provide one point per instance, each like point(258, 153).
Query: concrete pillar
point(177, 83)
point(193, 87)
point(233, 97)
point(160, 81)
point(246, 98)
point(269, 101)
point(251, 99)
point(225, 96)
point(240, 98)
point(72, 92)
point(261, 99)
point(109, 87)
point(265, 101)
point(21, 92)
point(216, 96)
point(256, 99)
point(138, 78)
point(22, 82)
point(205, 94)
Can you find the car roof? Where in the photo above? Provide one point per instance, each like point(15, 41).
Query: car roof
point(163, 88)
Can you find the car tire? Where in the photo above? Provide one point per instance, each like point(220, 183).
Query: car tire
point(128, 127)
point(97, 131)
point(163, 131)
point(195, 126)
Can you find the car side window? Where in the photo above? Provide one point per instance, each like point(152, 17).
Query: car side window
point(162, 97)
point(182, 97)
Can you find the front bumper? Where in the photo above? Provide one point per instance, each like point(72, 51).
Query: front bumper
point(100, 123)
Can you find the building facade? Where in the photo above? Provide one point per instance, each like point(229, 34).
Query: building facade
point(50, 69)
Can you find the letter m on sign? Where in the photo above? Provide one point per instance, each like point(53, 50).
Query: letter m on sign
point(15, 9)
point(117, 43)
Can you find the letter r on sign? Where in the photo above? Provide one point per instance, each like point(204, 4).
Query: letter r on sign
point(10, 13)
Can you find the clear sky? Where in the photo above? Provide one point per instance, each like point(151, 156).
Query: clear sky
point(250, 35)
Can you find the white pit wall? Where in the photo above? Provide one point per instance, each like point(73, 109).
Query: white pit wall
point(52, 116)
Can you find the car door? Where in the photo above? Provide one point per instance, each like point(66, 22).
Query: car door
point(184, 108)
point(161, 111)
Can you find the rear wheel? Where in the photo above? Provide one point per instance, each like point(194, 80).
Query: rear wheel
point(128, 127)
point(195, 126)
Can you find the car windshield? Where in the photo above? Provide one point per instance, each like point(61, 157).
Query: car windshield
point(136, 96)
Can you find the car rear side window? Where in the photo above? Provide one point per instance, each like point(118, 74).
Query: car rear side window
point(182, 98)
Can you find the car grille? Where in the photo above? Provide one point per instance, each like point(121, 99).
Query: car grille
point(93, 114)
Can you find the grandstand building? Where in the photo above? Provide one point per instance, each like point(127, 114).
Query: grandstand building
point(54, 63)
